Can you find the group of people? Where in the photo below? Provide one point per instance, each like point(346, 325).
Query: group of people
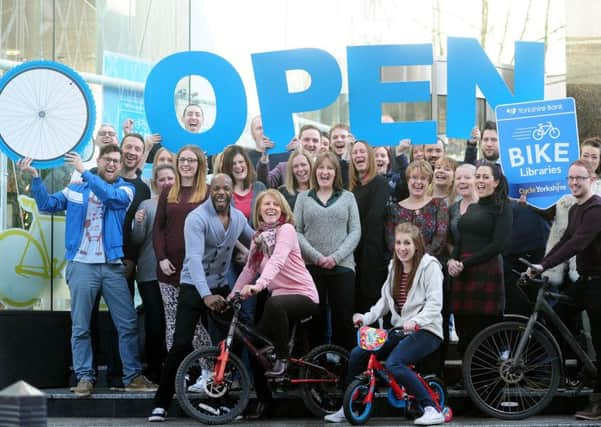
point(336, 229)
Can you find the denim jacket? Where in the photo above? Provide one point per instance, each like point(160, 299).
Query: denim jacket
point(116, 198)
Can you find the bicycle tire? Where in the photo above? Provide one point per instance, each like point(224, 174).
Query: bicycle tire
point(355, 411)
point(325, 398)
point(225, 408)
point(438, 387)
point(49, 103)
point(502, 391)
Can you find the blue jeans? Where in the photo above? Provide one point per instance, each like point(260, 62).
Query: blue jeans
point(85, 281)
point(400, 352)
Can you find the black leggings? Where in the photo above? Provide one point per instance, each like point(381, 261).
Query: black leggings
point(278, 314)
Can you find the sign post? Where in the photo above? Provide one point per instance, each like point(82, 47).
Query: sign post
point(537, 143)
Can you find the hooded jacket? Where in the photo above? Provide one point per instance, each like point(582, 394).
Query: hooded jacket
point(424, 300)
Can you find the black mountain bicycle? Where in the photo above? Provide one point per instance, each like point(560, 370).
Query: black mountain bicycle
point(317, 377)
point(513, 369)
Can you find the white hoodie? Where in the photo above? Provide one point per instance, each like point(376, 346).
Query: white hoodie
point(424, 301)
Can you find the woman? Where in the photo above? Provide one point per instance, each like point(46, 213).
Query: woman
point(442, 181)
point(236, 164)
point(412, 294)
point(371, 255)
point(163, 176)
point(465, 188)
point(174, 204)
point(384, 167)
point(276, 257)
point(327, 222)
point(476, 263)
point(298, 175)
point(163, 156)
point(417, 153)
point(429, 214)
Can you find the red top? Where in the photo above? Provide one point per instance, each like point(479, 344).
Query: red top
point(244, 203)
point(168, 232)
point(400, 294)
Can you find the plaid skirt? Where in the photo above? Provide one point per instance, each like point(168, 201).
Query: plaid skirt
point(479, 288)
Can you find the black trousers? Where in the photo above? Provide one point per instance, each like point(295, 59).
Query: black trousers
point(468, 325)
point(190, 307)
point(279, 314)
point(155, 348)
point(587, 296)
point(336, 290)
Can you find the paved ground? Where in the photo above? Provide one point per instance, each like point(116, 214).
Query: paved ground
point(546, 421)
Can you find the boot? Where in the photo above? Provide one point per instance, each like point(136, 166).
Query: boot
point(593, 412)
point(279, 368)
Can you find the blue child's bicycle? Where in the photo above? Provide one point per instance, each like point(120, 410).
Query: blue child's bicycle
point(360, 394)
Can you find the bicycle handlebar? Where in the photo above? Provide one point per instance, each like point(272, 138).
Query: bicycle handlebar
point(540, 280)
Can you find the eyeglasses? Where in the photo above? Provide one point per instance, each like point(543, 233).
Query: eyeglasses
point(577, 178)
point(111, 160)
point(190, 160)
point(106, 133)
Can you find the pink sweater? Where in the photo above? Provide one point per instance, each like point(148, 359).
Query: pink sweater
point(284, 273)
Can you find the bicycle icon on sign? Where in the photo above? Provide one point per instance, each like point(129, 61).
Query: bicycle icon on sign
point(26, 267)
point(543, 129)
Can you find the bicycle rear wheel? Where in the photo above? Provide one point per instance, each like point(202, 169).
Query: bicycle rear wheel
point(502, 388)
point(46, 110)
point(322, 398)
point(217, 403)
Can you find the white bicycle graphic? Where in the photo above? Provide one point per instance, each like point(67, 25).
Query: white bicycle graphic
point(543, 129)
point(46, 111)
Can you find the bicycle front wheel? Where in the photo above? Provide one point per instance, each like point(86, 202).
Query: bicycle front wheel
point(46, 110)
point(206, 400)
point(506, 388)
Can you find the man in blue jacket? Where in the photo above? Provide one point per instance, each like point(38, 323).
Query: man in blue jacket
point(96, 210)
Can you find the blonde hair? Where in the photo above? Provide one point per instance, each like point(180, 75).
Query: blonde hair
point(161, 151)
point(354, 180)
point(420, 166)
point(200, 177)
point(452, 163)
point(284, 206)
point(290, 182)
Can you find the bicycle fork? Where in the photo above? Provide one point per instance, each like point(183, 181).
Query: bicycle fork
point(224, 351)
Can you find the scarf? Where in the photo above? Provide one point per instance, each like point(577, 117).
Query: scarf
point(264, 240)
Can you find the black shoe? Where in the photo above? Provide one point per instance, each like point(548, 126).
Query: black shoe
point(593, 412)
point(279, 368)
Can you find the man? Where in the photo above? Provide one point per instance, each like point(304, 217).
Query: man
point(93, 239)
point(192, 118)
point(262, 144)
point(582, 238)
point(106, 135)
point(309, 138)
point(433, 152)
point(210, 232)
point(489, 144)
point(339, 140)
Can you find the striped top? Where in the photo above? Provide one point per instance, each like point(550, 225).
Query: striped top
point(400, 293)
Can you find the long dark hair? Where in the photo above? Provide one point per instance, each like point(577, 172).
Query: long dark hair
point(397, 265)
point(500, 195)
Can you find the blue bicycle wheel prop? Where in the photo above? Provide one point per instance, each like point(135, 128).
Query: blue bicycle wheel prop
point(46, 111)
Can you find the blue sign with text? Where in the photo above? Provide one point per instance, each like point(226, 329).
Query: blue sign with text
point(537, 143)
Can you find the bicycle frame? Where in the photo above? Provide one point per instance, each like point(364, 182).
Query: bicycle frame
point(240, 330)
point(541, 305)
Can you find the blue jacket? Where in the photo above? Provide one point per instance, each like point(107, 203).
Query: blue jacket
point(115, 197)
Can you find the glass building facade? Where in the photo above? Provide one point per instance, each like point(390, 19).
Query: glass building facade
point(113, 44)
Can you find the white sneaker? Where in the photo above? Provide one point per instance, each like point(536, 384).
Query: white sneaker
point(336, 417)
point(430, 417)
point(200, 384)
point(158, 415)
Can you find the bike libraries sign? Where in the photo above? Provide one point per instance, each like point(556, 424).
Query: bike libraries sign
point(537, 142)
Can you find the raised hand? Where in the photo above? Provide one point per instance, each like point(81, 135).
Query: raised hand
point(24, 166)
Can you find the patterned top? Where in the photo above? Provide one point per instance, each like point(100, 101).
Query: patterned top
point(432, 219)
